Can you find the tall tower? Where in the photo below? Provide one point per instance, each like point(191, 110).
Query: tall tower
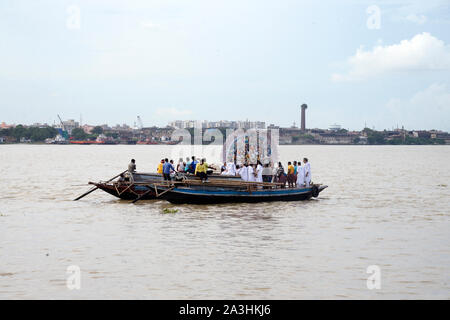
point(303, 125)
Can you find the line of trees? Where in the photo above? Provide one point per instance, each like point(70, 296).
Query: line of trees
point(39, 134)
point(414, 140)
point(380, 137)
point(35, 134)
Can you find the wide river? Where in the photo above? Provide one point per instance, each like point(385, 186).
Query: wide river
point(386, 206)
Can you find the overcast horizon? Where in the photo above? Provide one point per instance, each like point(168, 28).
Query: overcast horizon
point(385, 64)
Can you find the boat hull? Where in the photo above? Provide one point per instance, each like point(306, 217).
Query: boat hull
point(208, 196)
point(126, 192)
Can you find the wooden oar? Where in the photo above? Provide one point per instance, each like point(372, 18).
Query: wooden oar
point(95, 188)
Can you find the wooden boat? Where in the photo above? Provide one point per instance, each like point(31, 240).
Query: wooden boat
point(204, 194)
point(217, 190)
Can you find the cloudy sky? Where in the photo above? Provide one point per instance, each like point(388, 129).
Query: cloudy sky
point(383, 63)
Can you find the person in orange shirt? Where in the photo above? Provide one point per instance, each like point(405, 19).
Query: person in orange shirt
point(290, 175)
point(160, 167)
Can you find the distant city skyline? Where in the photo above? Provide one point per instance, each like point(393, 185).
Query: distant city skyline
point(207, 124)
point(380, 63)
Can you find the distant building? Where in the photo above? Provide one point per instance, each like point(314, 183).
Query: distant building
point(422, 134)
point(123, 127)
point(335, 127)
point(39, 125)
point(3, 125)
point(362, 140)
point(336, 138)
point(176, 124)
point(188, 124)
point(69, 125)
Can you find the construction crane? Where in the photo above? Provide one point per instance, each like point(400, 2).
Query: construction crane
point(62, 123)
point(64, 132)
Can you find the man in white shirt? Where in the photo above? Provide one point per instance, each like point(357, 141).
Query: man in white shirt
point(307, 170)
point(132, 166)
point(251, 173)
point(259, 171)
point(244, 172)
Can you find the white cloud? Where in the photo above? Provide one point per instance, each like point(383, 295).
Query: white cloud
point(422, 52)
point(172, 112)
point(426, 109)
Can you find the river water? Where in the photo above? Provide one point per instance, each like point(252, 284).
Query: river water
point(386, 206)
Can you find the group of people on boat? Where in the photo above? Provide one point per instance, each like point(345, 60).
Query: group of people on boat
point(191, 166)
point(296, 175)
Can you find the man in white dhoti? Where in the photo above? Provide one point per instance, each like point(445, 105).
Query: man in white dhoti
point(259, 171)
point(251, 173)
point(307, 169)
point(243, 172)
point(300, 175)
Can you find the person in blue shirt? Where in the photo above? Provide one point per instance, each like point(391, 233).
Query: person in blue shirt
point(167, 169)
point(192, 165)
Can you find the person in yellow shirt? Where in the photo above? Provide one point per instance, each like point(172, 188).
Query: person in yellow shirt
point(290, 175)
point(160, 167)
point(201, 170)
